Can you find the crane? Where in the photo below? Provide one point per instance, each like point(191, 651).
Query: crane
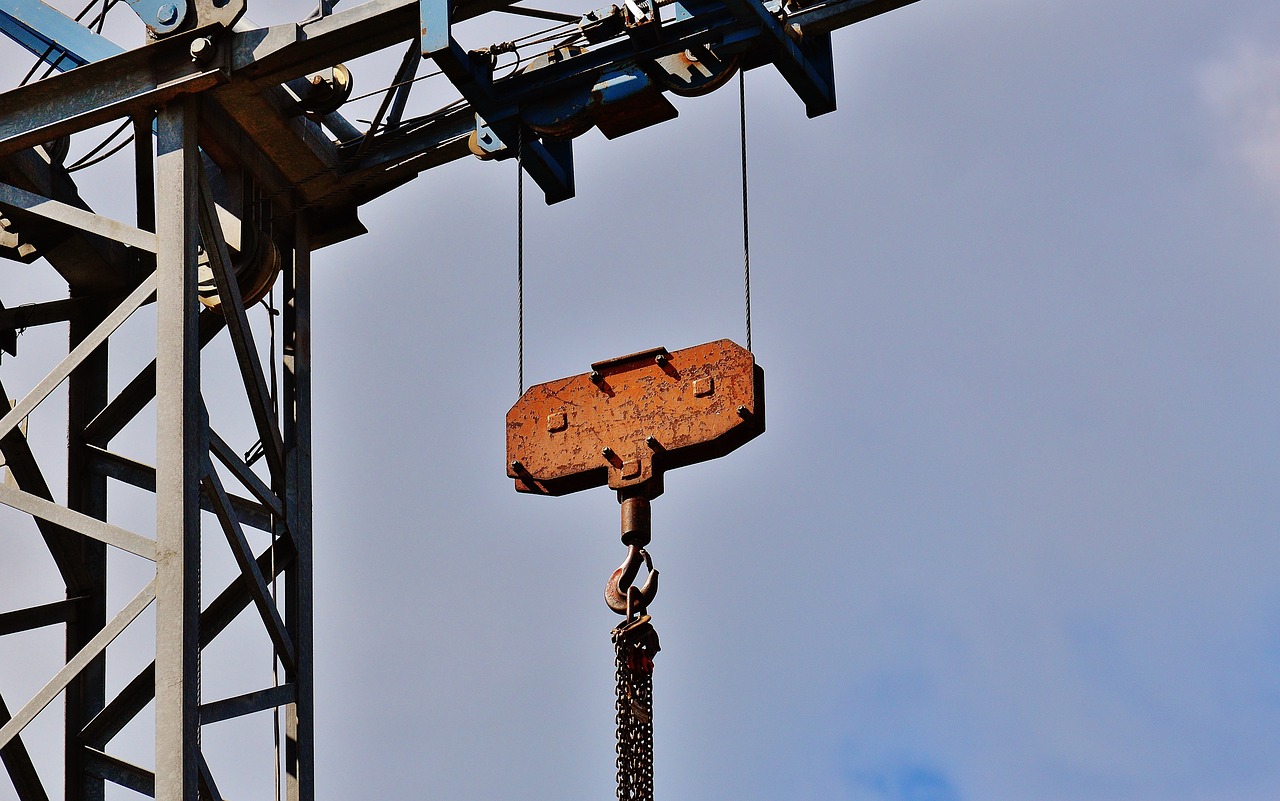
point(244, 164)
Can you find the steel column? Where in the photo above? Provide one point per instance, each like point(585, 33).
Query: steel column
point(179, 456)
point(86, 493)
point(300, 721)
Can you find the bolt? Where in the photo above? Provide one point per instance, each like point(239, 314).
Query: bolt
point(167, 14)
point(651, 441)
point(596, 378)
point(743, 411)
point(606, 452)
point(202, 49)
point(516, 465)
point(661, 359)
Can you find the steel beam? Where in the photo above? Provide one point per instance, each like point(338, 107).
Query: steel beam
point(179, 453)
point(246, 704)
point(299, 593)
point(36, 617)
point(22, 201)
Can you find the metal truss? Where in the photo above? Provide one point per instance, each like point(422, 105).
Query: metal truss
point(234, 156)
point(156, 262)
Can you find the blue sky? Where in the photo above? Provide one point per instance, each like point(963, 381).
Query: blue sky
point(1011, 533)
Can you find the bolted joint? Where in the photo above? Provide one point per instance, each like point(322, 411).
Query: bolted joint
point(202, 50)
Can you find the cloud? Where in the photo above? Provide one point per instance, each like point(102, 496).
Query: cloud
point(1242, 91)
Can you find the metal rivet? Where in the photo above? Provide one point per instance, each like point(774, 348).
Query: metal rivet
point(651, 441)
point(596, 378)
point(167, 14)
point(661, 359)
point(743, 411)
point(606, 452)
point(516, 465)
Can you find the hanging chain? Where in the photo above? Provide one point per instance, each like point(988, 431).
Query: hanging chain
point(635, 643)
point(634, 706)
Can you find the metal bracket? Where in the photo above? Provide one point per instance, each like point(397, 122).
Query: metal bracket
point(548, 161)
point(806, 65)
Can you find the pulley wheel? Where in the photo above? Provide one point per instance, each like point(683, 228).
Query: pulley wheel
point(695, 71)
point(256, 266)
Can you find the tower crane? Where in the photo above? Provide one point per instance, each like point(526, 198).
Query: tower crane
point(244, 163)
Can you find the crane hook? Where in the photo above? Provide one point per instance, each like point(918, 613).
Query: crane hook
point(621, 595)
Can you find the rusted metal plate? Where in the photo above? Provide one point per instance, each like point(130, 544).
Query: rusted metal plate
point(630, 419)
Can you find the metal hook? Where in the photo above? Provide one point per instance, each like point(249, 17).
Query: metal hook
point(619, 593)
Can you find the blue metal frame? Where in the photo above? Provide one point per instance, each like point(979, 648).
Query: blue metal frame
point(549, 162)
point(52, 36)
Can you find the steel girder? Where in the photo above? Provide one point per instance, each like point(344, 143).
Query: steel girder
point(192, 469)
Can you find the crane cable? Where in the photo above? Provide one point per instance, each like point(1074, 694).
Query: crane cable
point(520, 254)
point(746, 224)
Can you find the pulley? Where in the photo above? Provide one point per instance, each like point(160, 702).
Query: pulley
point(255, 260)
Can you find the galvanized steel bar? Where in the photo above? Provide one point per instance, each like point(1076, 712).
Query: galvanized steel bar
point(17, 762)
point(246, 704)
point(232, 308)
point(179, 454)
point(11, 197)
point(60, 680)
point(80, 523)
point(77, 355)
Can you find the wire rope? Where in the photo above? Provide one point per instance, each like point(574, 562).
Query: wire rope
point(520, 257)
point(746, 220)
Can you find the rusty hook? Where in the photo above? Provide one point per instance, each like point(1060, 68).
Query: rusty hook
point(624, 598)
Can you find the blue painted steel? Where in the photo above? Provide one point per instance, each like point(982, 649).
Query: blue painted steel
point(806, 67)
point(52, 36)
point(434, 27)
point(165, 16)
point(548, 163)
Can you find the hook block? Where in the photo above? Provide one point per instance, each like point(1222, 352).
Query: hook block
point(630, 419)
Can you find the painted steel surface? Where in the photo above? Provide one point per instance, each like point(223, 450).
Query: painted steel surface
point(630, 419)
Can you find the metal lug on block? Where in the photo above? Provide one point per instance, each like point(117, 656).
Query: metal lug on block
point(484, 144)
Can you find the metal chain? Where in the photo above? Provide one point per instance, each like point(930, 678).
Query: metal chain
point(634, 706)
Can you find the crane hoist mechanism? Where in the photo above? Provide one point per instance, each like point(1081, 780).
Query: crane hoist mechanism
point(624, 424)
point(251, 150)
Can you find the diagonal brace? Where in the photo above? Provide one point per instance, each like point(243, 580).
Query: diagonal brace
point(87, 654)
point(78, 354)
point(249, 568)
point(78, 522)
point(255, 382)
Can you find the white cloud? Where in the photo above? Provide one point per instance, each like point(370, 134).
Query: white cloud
point(1242, 90)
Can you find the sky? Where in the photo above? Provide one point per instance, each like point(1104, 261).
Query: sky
point(1011, 532)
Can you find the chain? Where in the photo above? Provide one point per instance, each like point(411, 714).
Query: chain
point(635, 644)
